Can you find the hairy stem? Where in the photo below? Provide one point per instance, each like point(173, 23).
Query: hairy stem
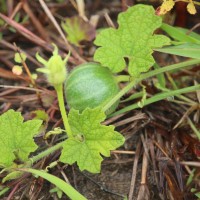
point(44, 153)
point(148, 75)
point(59, 90)
point(122, 78)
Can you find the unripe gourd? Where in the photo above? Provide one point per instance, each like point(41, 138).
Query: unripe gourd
point(90, 85)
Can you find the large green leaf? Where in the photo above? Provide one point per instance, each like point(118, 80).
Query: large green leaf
point(90, 140)
point(134, 40)
point(16, 137)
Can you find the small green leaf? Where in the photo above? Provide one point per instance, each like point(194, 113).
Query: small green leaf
point(16, 137)
point(34, 76)
point(191, 177)
point(197, 194)
point(1, 34)
point(133, 40)
point(58, 191)
point(90, 140)
point(78, 30)
point(40, 114)
point(3, 190)
point(18, 59)
point(17, 70)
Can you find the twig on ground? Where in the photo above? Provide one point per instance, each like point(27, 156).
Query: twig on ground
point(144, 193)
point(134, 172)
point(35, 21)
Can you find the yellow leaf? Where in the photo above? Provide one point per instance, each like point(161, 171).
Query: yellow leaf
point(191, 8)
point(166, 6)
point(17, 70)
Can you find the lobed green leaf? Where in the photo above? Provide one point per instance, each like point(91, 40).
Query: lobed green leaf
point(90, 140)
point(16, 137)
point(78, 30)
point(133, 40)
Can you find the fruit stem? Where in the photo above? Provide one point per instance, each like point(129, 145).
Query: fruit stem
point(119, 95)
point(122, 78)
point(148, 75)
point(59, 91)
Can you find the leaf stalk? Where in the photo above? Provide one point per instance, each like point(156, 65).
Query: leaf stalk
point(148, 75)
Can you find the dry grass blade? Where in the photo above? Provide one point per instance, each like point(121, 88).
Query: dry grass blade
point(25, 66)
point(51, 17)
point(130, 119)
point(21, 88)
point(9, 75)
point(25, 32)
point(12, 47)
point(35, 21)
point(192, 144)
point(15, 11)
point(123, 152)
point(144, 193)
point(109, 20)
point(134, 172)
point(174, 190)
point(187, 113)
point(153, 159)
point(81, 9)
point(190, 163)
point(112, 119)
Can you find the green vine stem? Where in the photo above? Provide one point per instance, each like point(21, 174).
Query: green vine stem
point(123, 78)
point(158, 97)
point(148, 75)
point(59, 91)
point(43, 154)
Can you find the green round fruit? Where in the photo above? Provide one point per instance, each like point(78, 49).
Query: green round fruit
point(90, 85)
